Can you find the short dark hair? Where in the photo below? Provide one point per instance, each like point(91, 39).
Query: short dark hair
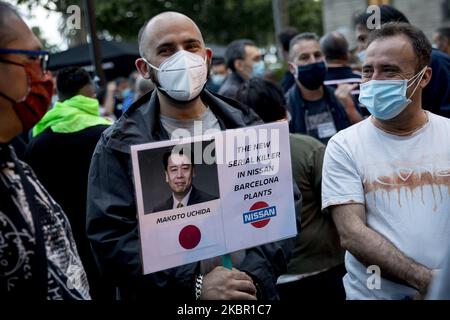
point(286, 36)
point(419, 41)
point(334, 46)
point(444, 32)
point(179, 151)
point(70, 80)
point(217, 61)
point(387, 14)
point(264, 97)
point(301, 37)
point(235, 51)
point(6, 10)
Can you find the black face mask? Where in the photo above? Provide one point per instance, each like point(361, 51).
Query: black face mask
point(312, 75)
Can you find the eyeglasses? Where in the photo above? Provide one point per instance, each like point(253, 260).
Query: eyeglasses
point(43, 56)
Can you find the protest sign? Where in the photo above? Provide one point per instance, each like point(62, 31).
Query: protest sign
point(210, 195)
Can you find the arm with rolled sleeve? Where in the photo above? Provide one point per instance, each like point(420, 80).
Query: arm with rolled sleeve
point(341, 182)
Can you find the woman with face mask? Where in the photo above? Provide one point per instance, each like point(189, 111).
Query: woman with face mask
point(41, 261)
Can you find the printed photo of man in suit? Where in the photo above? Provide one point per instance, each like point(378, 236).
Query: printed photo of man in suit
point(179, 173)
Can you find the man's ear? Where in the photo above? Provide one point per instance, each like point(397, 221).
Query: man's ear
point(239, 65)
point(292, 68)
point(209, 54)
point(143, 68)
point(167, 176)
point(426, 77)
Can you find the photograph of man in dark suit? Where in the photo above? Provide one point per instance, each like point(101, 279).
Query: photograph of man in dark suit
point(179, 172)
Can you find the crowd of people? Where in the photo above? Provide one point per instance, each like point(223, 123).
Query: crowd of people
point(370, 154)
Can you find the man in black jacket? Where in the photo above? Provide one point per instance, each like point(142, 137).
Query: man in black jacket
point(60, 154)
point(316, 110)
point(169, 42)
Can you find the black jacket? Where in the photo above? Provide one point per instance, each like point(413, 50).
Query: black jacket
point(196, 196)
point(436, 95)
point(111, 221)
point(231, 85)
point(61, 162)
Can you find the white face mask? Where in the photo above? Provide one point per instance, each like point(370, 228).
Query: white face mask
point(182, 76)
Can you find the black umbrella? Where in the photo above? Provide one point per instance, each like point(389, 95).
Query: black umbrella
point(117, 58)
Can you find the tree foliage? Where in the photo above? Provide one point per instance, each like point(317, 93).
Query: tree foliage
point(221, 21)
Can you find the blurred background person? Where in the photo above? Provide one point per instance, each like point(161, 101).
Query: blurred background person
point(316, 268)
point(142, 86)
point(245, 61)
point(336, 50)
point(441, 39)
point(60, 154)
point(284, 38)
point(217, 74)
point(316, 110)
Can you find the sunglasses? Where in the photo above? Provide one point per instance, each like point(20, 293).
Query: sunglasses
point(42, 56)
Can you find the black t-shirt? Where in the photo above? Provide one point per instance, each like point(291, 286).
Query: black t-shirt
point(319, 120)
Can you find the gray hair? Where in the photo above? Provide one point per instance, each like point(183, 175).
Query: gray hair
point(301, 37)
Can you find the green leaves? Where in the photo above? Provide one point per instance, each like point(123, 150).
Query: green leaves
point(221, 21)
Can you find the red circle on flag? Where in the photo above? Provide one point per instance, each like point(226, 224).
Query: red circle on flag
point(189, 237)
point(261, 223)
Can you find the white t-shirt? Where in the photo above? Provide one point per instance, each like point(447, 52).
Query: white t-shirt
point(404, 183)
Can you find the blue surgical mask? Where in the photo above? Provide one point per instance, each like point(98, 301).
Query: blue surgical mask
point(259, 69)
point(362, 56)
point(218, 79)
point(386, 99)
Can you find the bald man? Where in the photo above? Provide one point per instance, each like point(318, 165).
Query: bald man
point(38, 256)
point(174, 57)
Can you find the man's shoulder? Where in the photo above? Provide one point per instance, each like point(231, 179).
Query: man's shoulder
point(109, 131)
point(106, 134)
point(303, 141)
point(440, 57)
point(230, 87)
point(353, 134)
point(293, 97)
point(233, 113)
point(166, 205)
point(198, 195)
point(439, 121)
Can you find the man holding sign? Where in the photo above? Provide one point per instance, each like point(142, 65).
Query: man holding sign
point(175, 58)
